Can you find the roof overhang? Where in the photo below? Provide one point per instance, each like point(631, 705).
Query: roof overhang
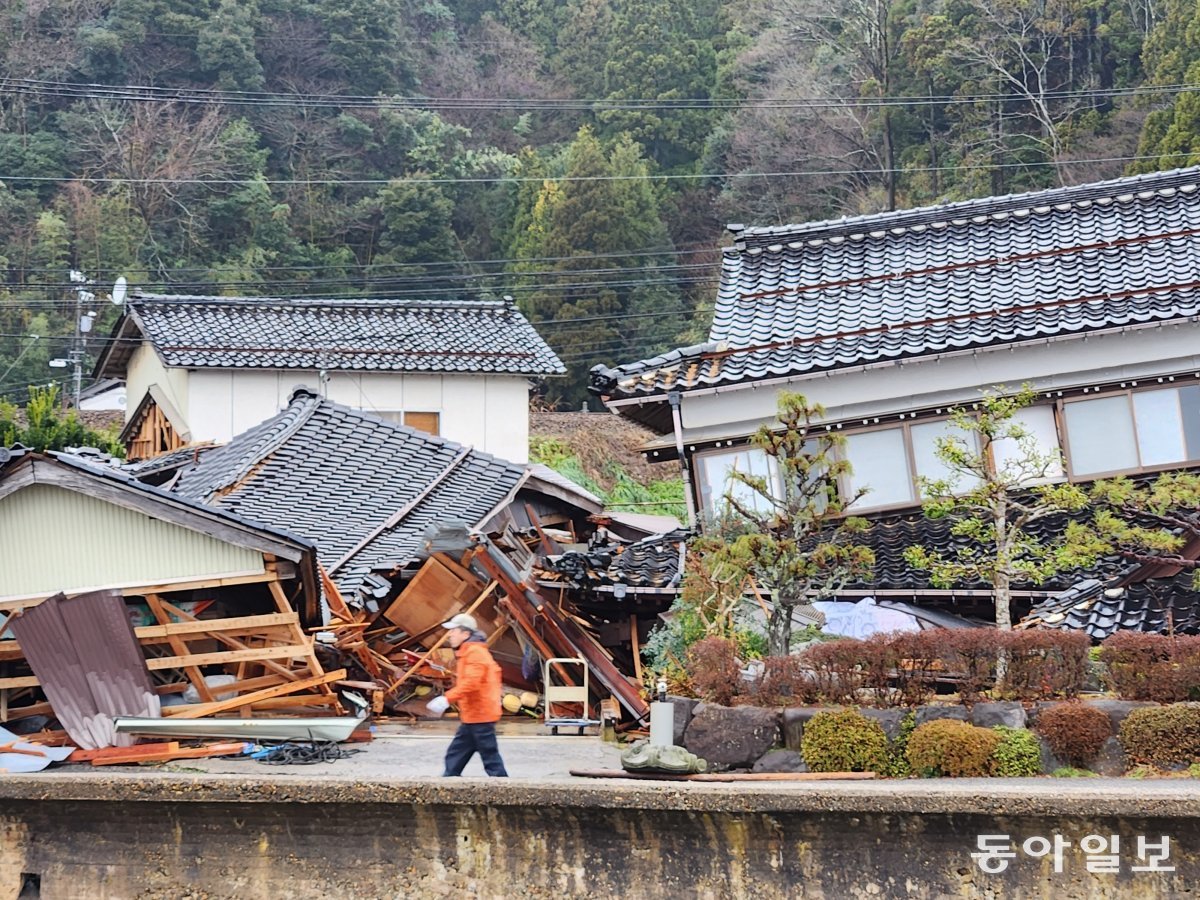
point(126, 336)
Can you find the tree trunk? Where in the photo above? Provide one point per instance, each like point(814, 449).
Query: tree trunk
point(779, 630)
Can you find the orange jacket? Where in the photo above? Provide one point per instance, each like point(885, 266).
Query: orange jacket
point(476, 690)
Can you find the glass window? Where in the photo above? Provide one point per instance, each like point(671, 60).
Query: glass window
point(716, 483)
point(1189, 403)
point(1038, 422)
point(880, 464)
point(1159, 427)
point(1100, 435)
point(925, 445)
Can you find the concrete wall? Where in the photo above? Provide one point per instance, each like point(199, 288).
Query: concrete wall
point(489, 412)
point(295, 837)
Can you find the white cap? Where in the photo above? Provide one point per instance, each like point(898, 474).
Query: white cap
point(462, 620)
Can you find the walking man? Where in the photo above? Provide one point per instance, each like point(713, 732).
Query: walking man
point(476, 693)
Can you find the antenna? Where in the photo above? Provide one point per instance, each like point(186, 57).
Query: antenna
point(118, 291)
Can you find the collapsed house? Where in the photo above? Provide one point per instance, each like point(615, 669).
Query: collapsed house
point(410, 529)
point(195, 591)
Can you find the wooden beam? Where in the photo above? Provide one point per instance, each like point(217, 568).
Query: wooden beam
point(637, 651)
point(209, 709)
point(220, 658)
point(159, 633)
point(180, 648)
point(229, 641)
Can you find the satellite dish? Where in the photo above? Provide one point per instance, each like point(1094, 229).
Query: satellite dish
point(118, 291)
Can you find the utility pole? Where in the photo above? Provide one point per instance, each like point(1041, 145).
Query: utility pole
point(83, 325)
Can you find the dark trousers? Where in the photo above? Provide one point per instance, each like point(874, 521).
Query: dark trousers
point(472, 738)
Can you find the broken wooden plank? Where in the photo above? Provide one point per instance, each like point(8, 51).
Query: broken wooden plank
point(135, 751)
point(207, 709)
point(230, 748)
point(222, 657)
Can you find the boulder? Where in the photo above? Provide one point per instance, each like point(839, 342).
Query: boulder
point(794, 719)
point(685, 707)
point(1050, 762)
point(1111, 760)
point(780, 761)
point(732, 736)
point(929, 713)
point(989, 715)
point(890, 719)
point(1118, 709)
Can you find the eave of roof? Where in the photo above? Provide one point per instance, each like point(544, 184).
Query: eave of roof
point(993, 272)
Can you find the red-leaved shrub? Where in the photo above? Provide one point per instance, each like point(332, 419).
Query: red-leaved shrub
point(1152, 666)
point(1074, 731)
point(1044, 664)
point(970, 656)
point(836, 668)
point(713, 668)
point(785, 682)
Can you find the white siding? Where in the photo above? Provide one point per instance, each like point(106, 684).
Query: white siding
point(145, 369)
point(491, 413)
point(891, 389)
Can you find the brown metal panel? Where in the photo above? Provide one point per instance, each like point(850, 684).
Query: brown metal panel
point(87, 658)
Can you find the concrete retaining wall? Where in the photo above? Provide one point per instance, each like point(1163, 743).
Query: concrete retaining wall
point(288, 837)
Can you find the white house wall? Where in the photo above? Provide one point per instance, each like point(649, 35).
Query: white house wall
point(490, 413)
point(894, 388)
point(145, 369)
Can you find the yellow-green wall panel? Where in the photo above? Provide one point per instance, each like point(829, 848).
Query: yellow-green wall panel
point(53, 539)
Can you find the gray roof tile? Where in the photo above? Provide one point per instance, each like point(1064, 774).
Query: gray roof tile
point(337, 475)
point(372, 335)
point(829, 295)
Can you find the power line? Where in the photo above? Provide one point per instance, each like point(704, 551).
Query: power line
point(211, 97)
point(496, 179)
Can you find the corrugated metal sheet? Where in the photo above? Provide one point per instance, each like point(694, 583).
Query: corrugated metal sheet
point(53, 539)
point(89, 663)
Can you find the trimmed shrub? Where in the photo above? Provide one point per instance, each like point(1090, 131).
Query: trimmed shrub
point(836, 668)
point(949, 747)
point(713, 668)
point(1074, 731)
point(1152, 666)
point(1162, 736)
point(844, 741)
point(785, 682)
point(1018, 755)
point(1044, 664)
point(971, 655)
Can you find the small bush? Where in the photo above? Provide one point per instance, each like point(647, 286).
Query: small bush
point(1069, 772)
point(785, 681)
point(713, 668)
point(1153, 666)
point(971, 654)
point(844, 741)
point(1018, 755)
point(949, 747)
point(897, 765)
point(1162, 736)
point(836, 669)
point(1045, 664)
point(1074, 731)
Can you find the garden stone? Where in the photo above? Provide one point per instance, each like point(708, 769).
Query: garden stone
point(1111, 760)
point(929, 713)
point(731, 736)
point(1050, 763)
point(989, 715)
point(685, 708)
point(780, 761)
point(794, 720)
point(890, 719)
point(1118, 709)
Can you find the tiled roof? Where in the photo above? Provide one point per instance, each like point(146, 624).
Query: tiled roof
point(1160, 605)
point(651, 563)
point(361, 335)
point(362, 488)
point(1001, 270)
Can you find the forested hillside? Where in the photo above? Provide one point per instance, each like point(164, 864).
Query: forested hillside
point(581, 156)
